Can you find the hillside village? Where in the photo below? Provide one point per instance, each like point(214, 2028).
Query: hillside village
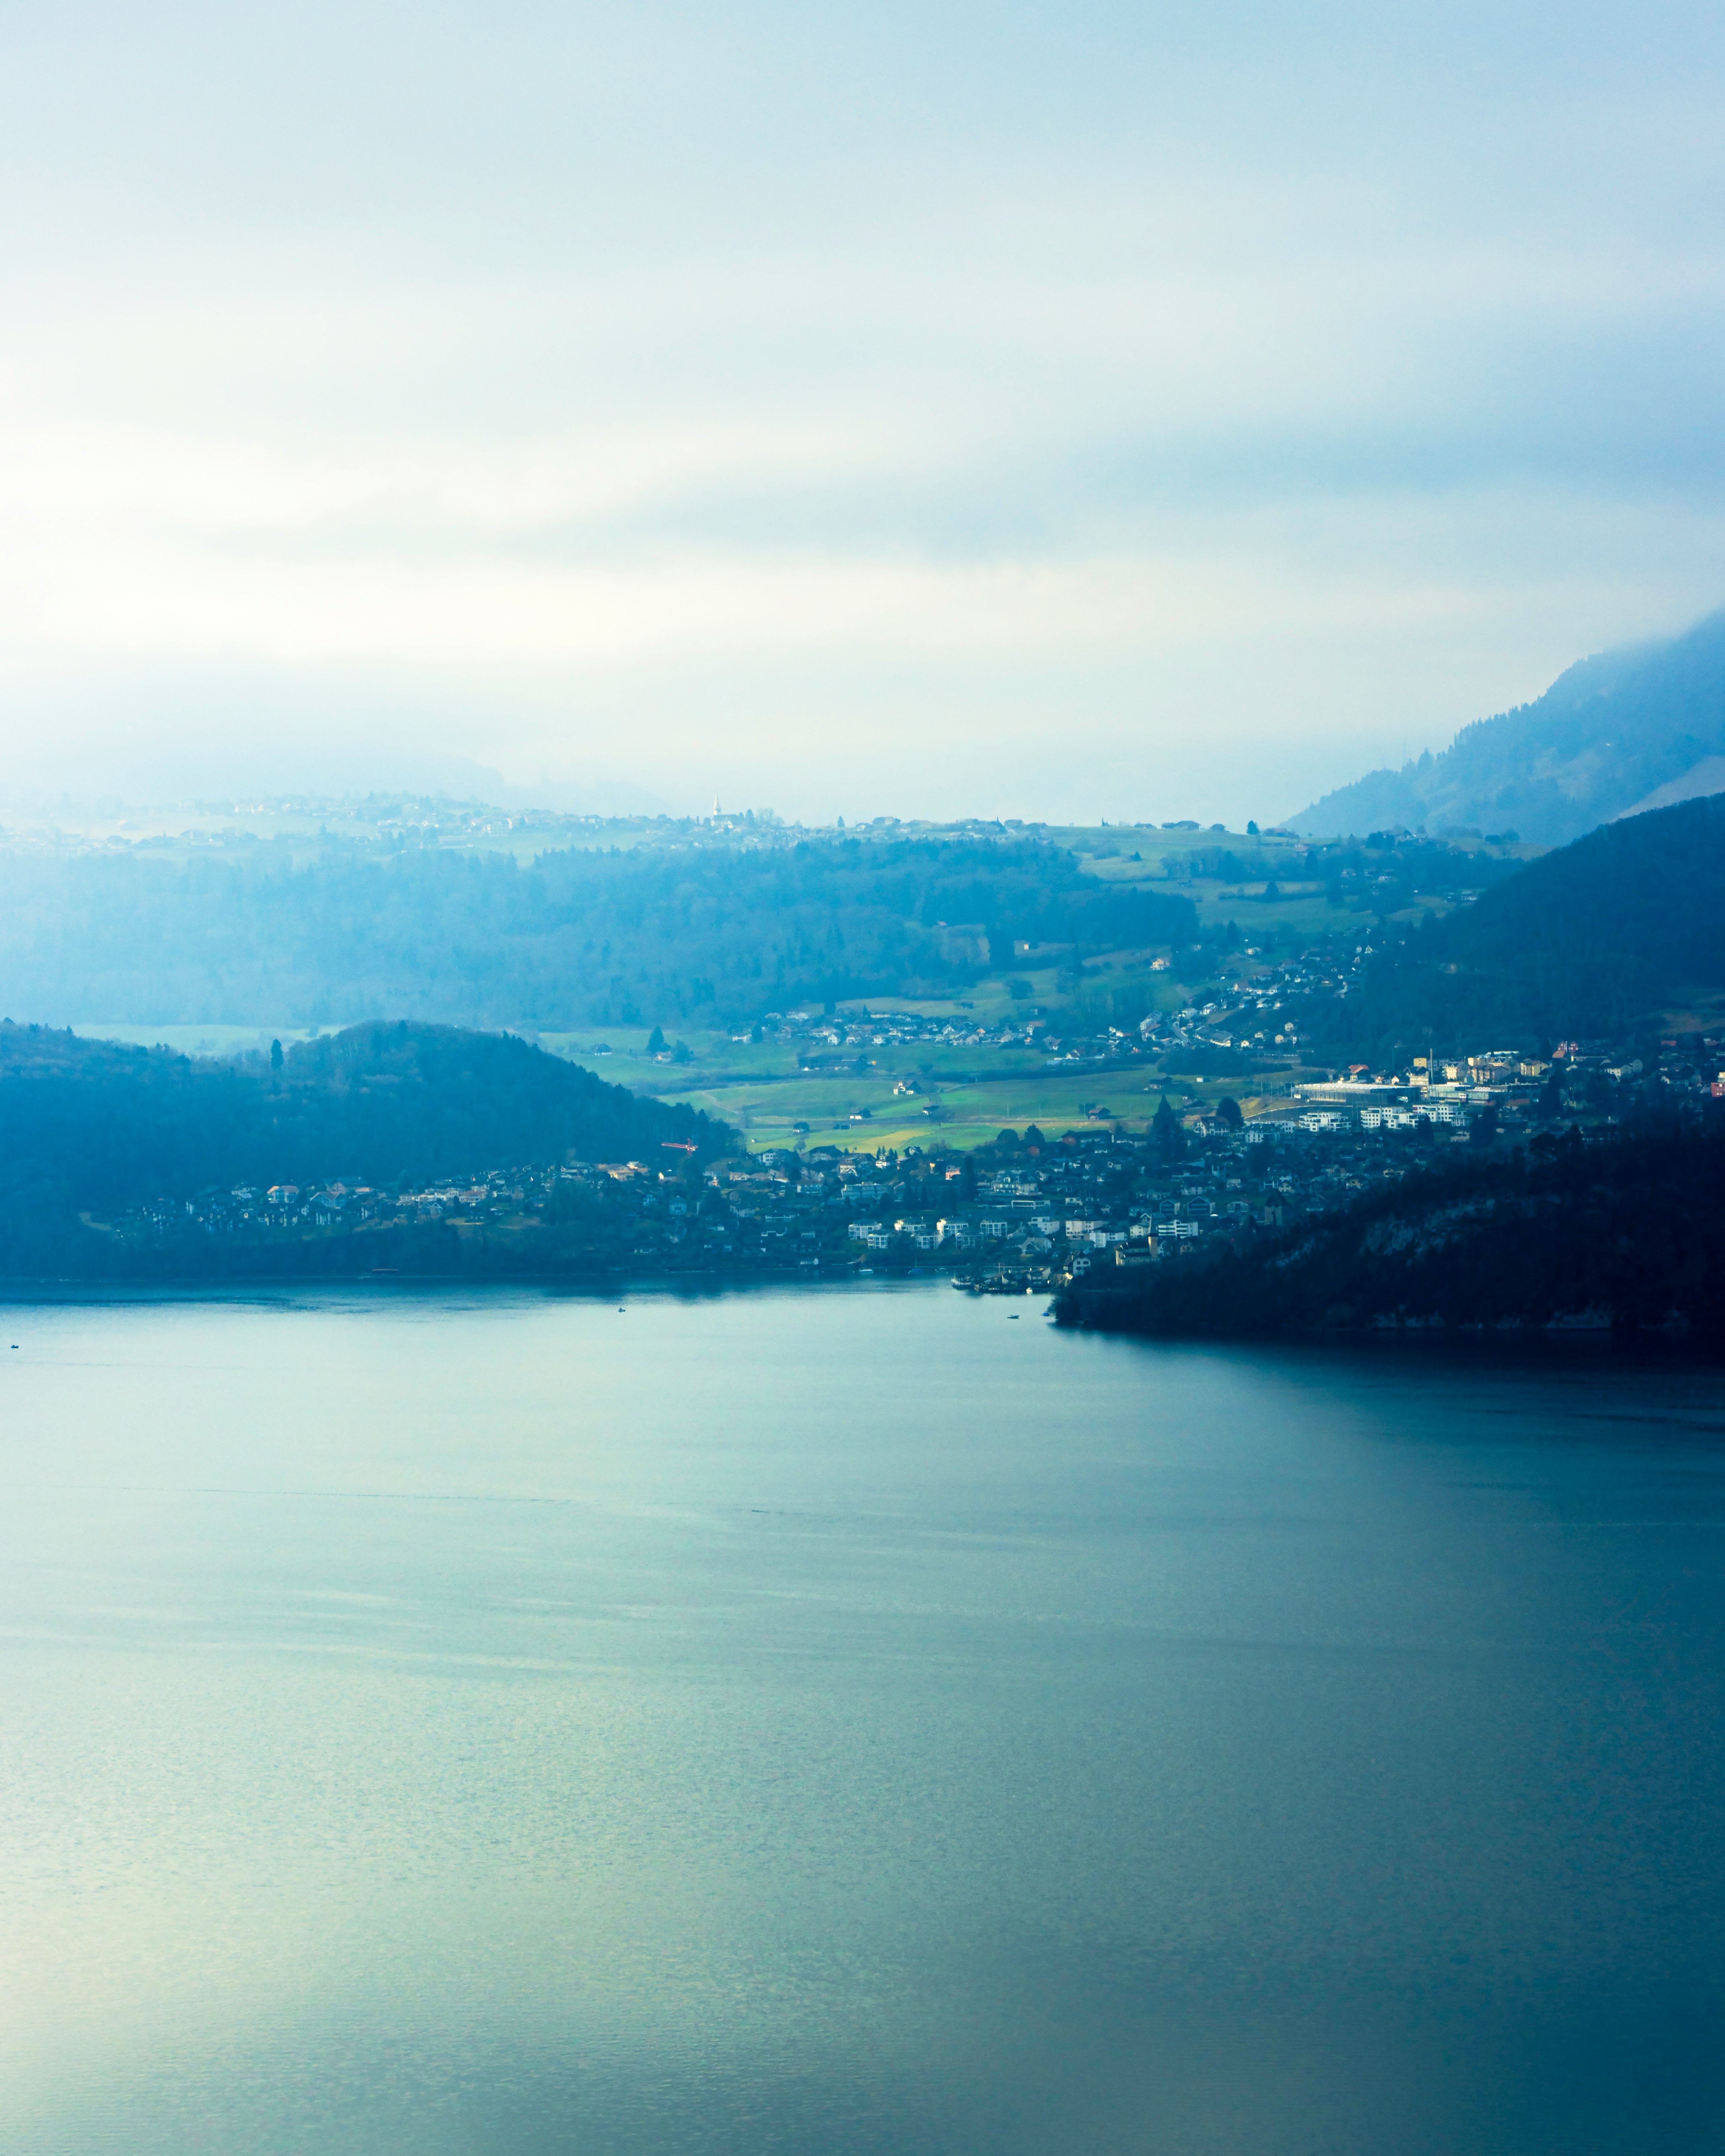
point(1060, 1107)
point(1031, 1211)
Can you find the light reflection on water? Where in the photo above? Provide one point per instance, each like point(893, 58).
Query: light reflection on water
point(846, 1722)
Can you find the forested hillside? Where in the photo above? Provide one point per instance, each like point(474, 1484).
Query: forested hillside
point(1626, 1232)
point(653, 936)
point(93, 1126)
point(1591, 942)
point(1605, 736)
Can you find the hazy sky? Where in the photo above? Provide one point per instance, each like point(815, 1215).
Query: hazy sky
point(1073, 410)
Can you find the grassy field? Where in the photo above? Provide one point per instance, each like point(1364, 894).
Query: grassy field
point(975, 1092)
point(969, 1116)
point(965, 1093)
point(819, 1110)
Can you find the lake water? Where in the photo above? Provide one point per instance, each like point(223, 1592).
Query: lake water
point(845, 1721)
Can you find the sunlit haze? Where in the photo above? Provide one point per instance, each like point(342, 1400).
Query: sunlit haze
point(1077, 412)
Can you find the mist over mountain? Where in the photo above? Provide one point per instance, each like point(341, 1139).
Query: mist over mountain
point(33, 790)
point(1627, 731)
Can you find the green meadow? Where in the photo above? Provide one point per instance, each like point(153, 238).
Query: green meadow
point(955, 1093)
point(965, 1095)
point(966, 1115)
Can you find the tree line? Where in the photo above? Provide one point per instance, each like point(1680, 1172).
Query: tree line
point(1594, 941)
point(98, 1126)
point(652, 936)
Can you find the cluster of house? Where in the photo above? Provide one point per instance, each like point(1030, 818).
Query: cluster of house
point(1577, 1076)
point(291, 1208)
point(815, 1030)
point(1255, 1017)
point(825, 1040)
point(1046, 1210)
point(1037, 1210)
point(1096, 1195)
point(1439, 1092)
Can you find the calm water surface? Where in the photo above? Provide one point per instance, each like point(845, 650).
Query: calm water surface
point(847, 1722)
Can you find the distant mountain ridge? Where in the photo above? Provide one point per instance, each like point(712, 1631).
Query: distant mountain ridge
point(1639, 728)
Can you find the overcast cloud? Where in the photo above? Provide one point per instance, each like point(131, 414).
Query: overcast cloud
point(1074, 411)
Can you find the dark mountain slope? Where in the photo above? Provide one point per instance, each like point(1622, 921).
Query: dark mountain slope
point(93, 1126)
point(1590, 942)
point(1628, 1233)
point(1609, 734)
